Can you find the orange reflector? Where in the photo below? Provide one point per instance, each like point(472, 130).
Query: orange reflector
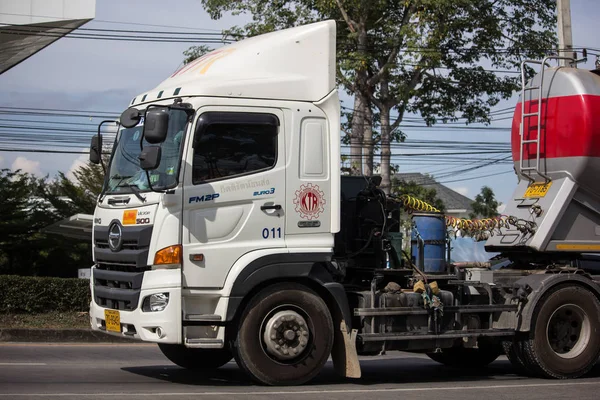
point(196, 257)
point(169, 255)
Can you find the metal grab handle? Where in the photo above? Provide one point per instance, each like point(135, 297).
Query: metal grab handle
point(273, 207)
point(121, 200)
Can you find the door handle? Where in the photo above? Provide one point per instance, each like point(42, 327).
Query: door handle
point(271, 207)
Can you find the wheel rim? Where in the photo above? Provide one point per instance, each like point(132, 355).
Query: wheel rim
point(568, 331)
point(286, 335)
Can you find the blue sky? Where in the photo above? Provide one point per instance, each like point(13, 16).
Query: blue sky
point(106, 75)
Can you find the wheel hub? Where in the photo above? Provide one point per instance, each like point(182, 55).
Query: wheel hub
point(568, 331)
point(286, 335)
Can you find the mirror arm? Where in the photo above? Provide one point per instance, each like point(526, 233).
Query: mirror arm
point(100, 136)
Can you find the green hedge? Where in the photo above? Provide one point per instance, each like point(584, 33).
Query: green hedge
point(27, 294)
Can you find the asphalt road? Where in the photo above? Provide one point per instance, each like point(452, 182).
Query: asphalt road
point(101, 371)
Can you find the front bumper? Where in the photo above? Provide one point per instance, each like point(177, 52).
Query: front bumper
point(138, 324)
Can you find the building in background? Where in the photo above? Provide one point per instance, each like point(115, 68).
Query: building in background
point(28, 26)
point(456, 204)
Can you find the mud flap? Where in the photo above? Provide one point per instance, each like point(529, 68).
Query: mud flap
point(344, 355)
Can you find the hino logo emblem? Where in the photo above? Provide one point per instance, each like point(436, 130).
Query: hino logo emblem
point(115, 236)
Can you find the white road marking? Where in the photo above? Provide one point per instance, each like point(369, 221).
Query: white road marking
point(305, 392)
point(4, 364)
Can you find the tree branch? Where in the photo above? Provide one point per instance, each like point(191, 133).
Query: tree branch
point(397, 45)
point(350, 22)
point(351, 86)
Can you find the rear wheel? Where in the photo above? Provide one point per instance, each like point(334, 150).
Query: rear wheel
point(486, 353)
point(195, 358)
point(564, 341)
point(285, 335)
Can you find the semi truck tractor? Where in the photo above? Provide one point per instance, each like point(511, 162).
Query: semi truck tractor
point(226, 230)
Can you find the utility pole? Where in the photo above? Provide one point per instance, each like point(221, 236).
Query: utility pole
point(565, 36)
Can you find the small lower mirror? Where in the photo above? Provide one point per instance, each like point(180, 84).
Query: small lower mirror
point(96, 149)
point(150, 158)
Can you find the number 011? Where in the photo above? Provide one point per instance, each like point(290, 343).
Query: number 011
point(273, 233)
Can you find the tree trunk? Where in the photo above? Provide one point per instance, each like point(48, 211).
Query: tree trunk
point(386, 181)
point(356, 136)
point(386, 135)
point(368, 142)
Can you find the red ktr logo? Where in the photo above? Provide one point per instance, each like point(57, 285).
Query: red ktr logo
point(309, 201)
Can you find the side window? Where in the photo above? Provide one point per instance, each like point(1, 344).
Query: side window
point(233, 144)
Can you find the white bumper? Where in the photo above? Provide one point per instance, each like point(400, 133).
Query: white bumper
point(142, 325)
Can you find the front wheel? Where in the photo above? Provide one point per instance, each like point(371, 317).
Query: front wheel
point(285, 335)
point(564, 341)
point(195, 358)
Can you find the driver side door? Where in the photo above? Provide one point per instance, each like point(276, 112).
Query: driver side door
point(234, 191)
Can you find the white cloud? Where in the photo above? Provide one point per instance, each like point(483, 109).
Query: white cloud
point(462, 190)
point(26, 165)
point(1, 161)
point(79, 161)
point(501, 208)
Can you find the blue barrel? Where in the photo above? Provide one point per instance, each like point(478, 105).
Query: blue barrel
point(431, 228)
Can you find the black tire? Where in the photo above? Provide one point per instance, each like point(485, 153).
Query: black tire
point(513, 352)
point(195, 358)
point(252, 351)
point(554, 325)
point(485, 354)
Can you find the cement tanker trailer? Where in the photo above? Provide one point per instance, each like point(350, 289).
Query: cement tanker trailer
point(225, 231)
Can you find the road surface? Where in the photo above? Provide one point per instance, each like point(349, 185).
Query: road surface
point(139, 371)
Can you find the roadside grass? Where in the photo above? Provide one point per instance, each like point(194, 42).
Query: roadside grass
point(51, 320)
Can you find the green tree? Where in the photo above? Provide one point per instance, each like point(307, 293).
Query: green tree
point(485, 204)
point(419, 57)
point(30, 204)
point(70, 197)
point(423, 193)
point(24, 249)
point(195, 52)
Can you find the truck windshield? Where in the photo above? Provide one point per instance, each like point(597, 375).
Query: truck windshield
point(125, 174)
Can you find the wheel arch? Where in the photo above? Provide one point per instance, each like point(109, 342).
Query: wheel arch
point(313, 270)
point(539, 285)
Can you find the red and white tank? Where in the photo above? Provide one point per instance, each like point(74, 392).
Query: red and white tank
point(569, 134)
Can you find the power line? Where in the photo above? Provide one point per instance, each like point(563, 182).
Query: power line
point(478, 177)
point(42, 29)
point(59, 109)
point(111, 22)
point(128, 38)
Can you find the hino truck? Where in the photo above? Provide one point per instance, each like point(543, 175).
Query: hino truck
point(225, 229)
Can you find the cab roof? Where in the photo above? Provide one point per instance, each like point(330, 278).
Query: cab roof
point(293, 64)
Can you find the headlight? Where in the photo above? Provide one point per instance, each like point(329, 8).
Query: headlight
point(155, 302)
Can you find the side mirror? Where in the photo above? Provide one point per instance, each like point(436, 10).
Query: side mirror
point(150, 158)
point(96, 149)
point(130, 117)
point(156, 125)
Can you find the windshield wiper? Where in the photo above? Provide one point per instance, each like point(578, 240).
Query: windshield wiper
point(107, 186)
point(134, 189)
point(120, 178)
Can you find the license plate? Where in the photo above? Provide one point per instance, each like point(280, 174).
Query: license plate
point(537, 189)
point(113, 320)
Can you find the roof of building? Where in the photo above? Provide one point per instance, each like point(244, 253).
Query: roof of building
point(451, 199)
point(28, 26)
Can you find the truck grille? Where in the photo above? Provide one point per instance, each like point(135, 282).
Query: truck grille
point(118, 274)
point(118, 290)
